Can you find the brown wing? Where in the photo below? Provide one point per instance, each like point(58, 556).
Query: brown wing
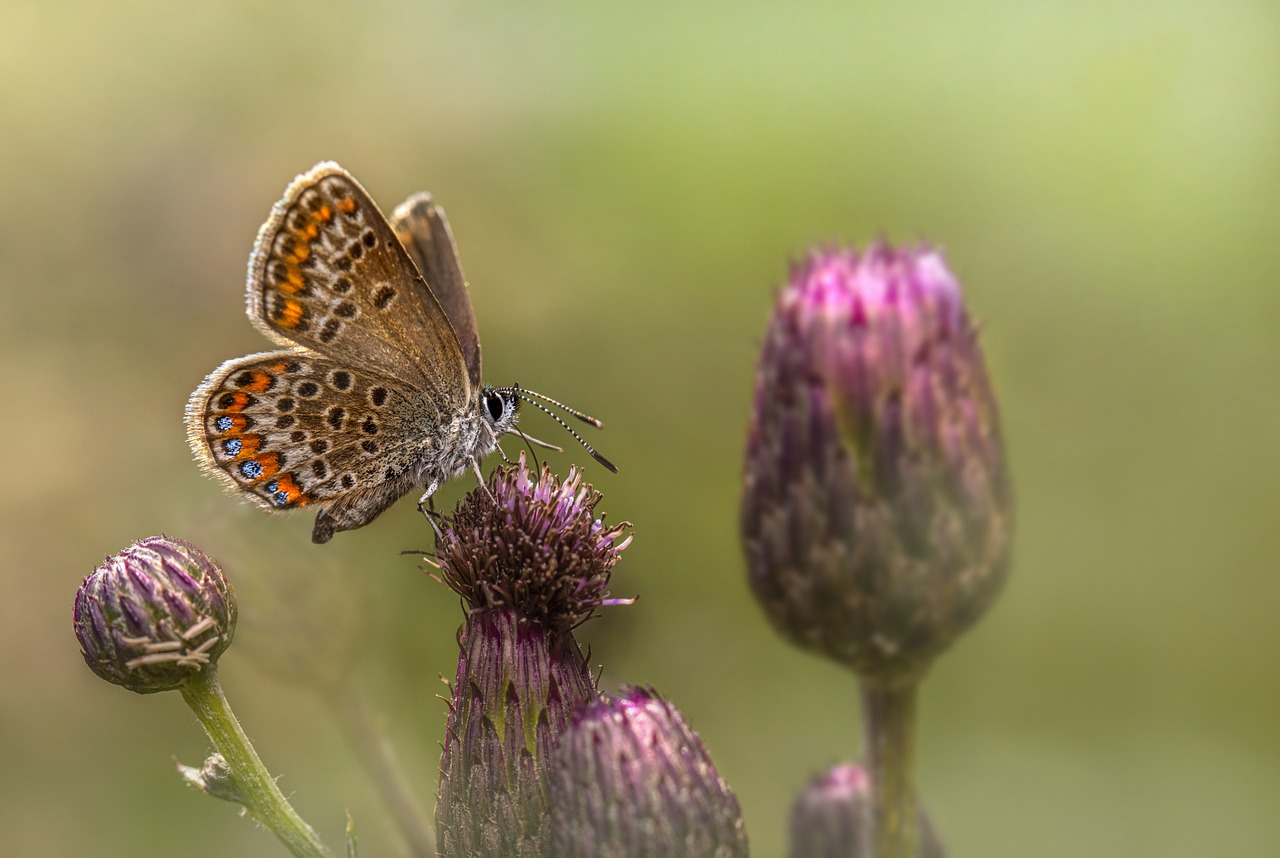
point(424, 232)
point(327, 272)
point(293, 428)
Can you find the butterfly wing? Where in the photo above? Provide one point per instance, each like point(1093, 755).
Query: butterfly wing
point(294, 428)
point(424, 232)
point(329, 273)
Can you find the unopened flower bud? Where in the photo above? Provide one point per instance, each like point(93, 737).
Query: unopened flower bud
point(154, 614)
point(516, 689)
point(632, 780)
point(831, 818)
point(214, 778)
point(876, 506)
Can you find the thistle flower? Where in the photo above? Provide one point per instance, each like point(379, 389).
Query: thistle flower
point(153, 615)
point(534, 547)
point(633, 781)
point(831, 818)
point(876, 506)
point(532, 561)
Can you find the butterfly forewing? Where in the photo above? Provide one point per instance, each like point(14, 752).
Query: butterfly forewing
point(329, 273)
point(424, 232)
point(294, 428)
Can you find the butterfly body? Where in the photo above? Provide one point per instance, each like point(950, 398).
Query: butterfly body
point(376, 390)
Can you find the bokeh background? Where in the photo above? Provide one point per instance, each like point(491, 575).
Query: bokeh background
point(628, 184)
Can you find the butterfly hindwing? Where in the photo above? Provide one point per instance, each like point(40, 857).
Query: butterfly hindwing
point(293, 428)
point(329, 273)
point(424, 232)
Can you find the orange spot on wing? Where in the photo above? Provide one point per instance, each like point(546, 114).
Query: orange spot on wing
point(293, 492)
point(238, 403)
point(249, 445)
point(291, 314)
point(270, 463)
point(260, 382)
point(300, 253)
point(293, 282)
point(347, 206)
point(324, 213)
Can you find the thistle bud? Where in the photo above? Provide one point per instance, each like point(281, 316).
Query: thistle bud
point(516, 688)
point(633, 781)
point(214, 778)
point(831, 818)
point(876, 506)
point(532, 561)
point(154, 614)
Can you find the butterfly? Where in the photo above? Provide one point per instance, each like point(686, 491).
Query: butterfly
point(376, 389)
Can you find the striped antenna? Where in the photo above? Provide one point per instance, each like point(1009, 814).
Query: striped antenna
point(526, 396)
point(585, 418)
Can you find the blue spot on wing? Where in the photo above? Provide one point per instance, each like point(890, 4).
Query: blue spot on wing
point(224, 423)
point(280, 498)
point(251, 469)
point(232, 447)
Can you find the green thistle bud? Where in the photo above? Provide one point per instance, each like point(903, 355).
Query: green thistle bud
point(532, 561)
point(831, 818)
point(633, 781)
point(215, 778)
point(876, 506)
point(154, 615)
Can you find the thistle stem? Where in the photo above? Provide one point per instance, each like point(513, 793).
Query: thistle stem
point(262, 798)
point(357, 723)
point(888, 717)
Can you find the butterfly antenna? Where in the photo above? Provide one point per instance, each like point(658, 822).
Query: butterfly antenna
point(522, 394)
point(585, 418)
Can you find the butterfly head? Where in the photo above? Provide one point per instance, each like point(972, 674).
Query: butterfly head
point(499, 406)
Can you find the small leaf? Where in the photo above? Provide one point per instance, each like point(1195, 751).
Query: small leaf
point(351, 836)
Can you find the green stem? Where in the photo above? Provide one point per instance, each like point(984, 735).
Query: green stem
point(262, 798)
point(888, 717)
point(370, 745)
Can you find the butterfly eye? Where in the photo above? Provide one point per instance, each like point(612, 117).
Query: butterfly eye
point(495, 405)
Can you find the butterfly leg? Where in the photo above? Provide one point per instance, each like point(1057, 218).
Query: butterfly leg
point(427, 504)
point(475, 467)
point(431, 516)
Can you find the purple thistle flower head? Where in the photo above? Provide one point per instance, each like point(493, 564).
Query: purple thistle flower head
point(632, 780)
point(154, 614)
point(536, 547)
point(532, 560)
point(876, 505)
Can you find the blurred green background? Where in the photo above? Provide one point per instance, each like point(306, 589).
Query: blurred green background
point(627, 184)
